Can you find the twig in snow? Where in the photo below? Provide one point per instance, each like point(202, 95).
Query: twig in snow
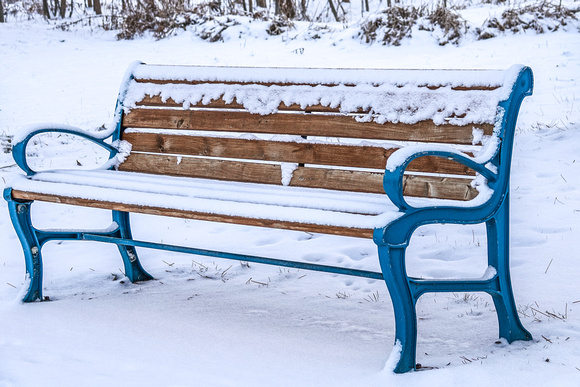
point(549, 265)
point(11, 285)
point(224, 272)
point(197, 263)
point(545, 338)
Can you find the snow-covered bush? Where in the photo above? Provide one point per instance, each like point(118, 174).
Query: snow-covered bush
point(394, 24)
point(390, 26)
point(539, 18)
point(446, 25)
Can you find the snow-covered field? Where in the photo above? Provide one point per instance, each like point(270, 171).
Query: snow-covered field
point(208, 322)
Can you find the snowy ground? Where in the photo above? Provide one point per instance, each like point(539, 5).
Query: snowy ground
point(244, 326)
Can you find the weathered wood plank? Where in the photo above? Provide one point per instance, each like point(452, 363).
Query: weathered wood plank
point(438, 187)
point(267, 84)
point(156, 101)
point(292, 152)
point(334, 179)
point(333, 230)
point(299, 124)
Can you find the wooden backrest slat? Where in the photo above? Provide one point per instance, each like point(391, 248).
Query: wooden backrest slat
point(157, 101)
point(267, 84)
point(355, 156)
point(334, 179)
point(300, 124)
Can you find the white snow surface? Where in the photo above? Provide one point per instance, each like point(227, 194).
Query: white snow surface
point(258, 201)
point(202, 322)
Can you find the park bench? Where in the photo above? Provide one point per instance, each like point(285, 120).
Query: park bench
point(364, 153)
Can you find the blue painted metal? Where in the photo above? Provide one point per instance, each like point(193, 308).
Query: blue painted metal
point(234, 256)
point(19, 149)
point(33, 239)
point(393, 239)
point(133, 269)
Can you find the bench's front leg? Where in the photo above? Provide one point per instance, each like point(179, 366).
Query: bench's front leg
point(20, 216)
point(133, 269)
point(392, 260)
point(510, 326)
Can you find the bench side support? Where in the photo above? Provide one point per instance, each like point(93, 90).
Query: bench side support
point(405, 291)
point(392, 261)
point(510, 326)
point(20, 216)
point(133, 269)
point(394, 239)
point(32, 240)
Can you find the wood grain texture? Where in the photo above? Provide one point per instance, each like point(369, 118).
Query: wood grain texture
point(156, 101)
point(264, 173)
point(299, 124)
point(292, 152)
point(333, 230)
point(267, 84)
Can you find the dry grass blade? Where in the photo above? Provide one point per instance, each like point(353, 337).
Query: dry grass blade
point(548, 340)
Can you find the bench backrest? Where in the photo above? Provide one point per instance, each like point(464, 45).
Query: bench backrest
point(320, 128)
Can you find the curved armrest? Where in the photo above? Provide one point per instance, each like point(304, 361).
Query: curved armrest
point(400, 159)
point(116, 149)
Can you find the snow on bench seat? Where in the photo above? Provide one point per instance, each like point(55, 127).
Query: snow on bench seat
point(257, 201)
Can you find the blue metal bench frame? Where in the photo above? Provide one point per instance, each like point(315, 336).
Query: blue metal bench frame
point(391, 240)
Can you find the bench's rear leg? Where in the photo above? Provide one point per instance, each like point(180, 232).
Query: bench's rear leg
point(133, 269)
point(510, 326)
point(20, 216)
point(392, 261)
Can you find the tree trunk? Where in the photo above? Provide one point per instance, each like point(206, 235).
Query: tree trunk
point(90, 3)
point(97, 4)
point(1, 12)
point(45, 9)
point(261, 3)
point(333, 9)
point(62, 9)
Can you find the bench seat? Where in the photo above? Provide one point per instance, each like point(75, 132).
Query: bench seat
point(202, 198)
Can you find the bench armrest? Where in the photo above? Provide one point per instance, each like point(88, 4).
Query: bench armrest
point(118, 150)
point(398, 162)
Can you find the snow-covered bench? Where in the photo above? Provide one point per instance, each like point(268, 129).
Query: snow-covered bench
point(313, 150)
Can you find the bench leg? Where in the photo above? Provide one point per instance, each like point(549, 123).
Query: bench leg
point(510, 326)
point(392, 260)
point(20, 216)
point(133, 269)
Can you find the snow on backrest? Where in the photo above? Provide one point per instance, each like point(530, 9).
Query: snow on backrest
point(396, 96)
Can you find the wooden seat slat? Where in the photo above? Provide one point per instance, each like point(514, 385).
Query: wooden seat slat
point(373, 157)
point(160, 211)
point(300, 124)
